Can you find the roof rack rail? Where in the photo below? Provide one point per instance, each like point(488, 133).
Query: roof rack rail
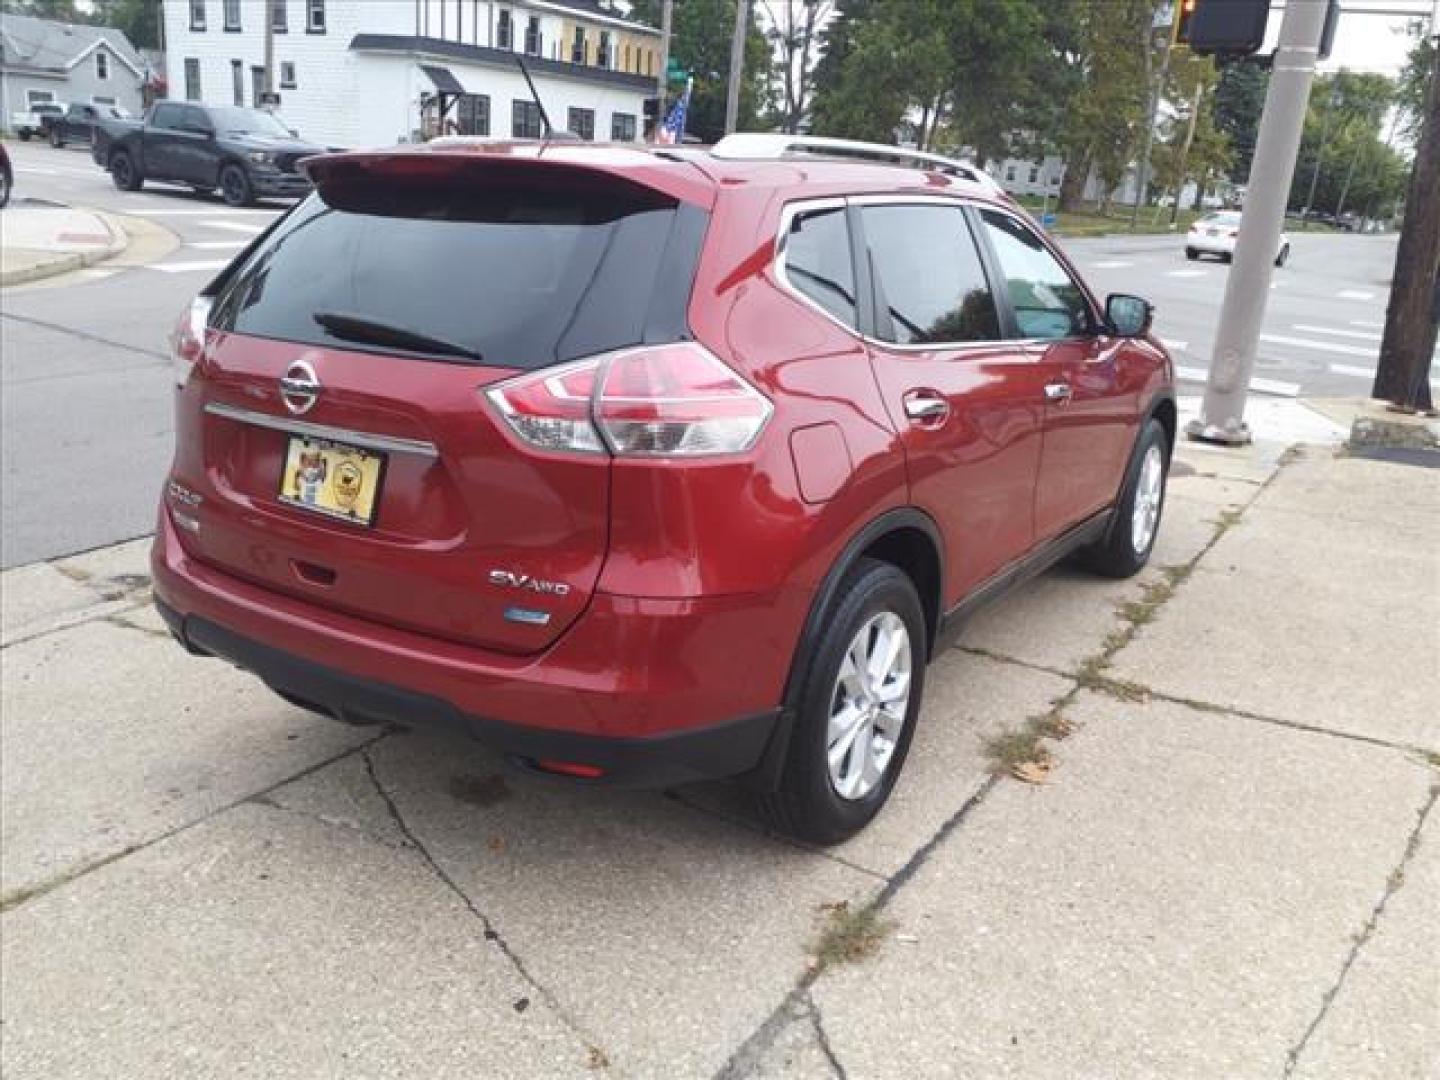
point(774, 146)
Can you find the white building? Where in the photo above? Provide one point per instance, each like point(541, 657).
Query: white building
point(43, 61)
point(365, 73)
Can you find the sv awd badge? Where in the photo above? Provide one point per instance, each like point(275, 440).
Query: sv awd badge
point(508, 579)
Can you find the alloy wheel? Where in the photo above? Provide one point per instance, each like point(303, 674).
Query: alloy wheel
point(868, 705)
point(1148, 493)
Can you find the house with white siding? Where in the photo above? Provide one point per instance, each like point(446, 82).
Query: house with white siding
point(366, 73)
point(60, 63)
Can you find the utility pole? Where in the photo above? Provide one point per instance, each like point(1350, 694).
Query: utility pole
point(1147, 143)
point(1185, 152)
point(662, 77)
point(1248, 287)
point(269, 48)
point(737, 66)
point(1407, 349)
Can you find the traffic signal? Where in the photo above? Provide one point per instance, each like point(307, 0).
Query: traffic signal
point(1227, 27)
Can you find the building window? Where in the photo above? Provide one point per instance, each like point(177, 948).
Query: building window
point(237, 80)
point(232, 15)
point(622, 127)
point(197, 14)
point(192, 79)
point(102, 64)
point(627, 56)
point(1010, 174)
point(602, 52)
point(257, 87)
point(504, 31)
point(577, 50)
point(525, 120)
point(533, 43)
point(97, 100)
point(287, 75)
point(582, 122)
point(39, 97)
point(279, 20)
point(472, 115)
point(315, 16)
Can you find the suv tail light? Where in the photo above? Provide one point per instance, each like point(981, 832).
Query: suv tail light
point(656, 401)
point(187, 340)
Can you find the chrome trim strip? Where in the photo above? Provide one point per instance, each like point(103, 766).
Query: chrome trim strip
point(363, 439)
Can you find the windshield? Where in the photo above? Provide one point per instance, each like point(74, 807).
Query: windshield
point(232, 121)
point(1231, 219)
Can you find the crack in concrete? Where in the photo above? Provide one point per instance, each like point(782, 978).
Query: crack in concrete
point(1393, 884)
point(742, 1061)
point(19, 897)
point(325, 819)
point(84, 335)
point(823, 1039)
point(592, 1044)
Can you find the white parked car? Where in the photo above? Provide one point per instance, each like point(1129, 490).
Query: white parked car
point(32, 121)
point(1215, 234)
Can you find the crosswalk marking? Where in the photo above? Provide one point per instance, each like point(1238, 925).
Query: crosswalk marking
point(1186, 273)
point(1322, 346)
point(1350, 369)
point(218, 245)
point(187, 267)
point(1260, 386)
point(234, 226)
point(1369, 324)
point(208, 212)
point(1112, 264)
point(1355, 294)
point(1363, 335)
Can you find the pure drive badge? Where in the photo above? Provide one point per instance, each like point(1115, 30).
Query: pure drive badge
point(508, 579)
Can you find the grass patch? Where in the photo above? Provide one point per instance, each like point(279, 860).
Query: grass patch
point(850, 934)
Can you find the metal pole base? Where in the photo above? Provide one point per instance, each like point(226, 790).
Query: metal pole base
point(1236, 435)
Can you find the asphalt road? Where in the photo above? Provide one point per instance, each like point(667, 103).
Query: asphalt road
point(86, 379)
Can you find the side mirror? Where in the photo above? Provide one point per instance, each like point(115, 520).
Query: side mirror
point(1128, 316)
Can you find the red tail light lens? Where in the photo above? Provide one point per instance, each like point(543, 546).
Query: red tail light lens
point(187, 340)
point(658, 401)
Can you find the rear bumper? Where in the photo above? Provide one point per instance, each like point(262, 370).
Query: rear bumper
point(652, 692)
point(1211, 245)
point(726, 749)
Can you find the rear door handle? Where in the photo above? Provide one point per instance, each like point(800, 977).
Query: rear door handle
point(1058, 391)
point(926, 406)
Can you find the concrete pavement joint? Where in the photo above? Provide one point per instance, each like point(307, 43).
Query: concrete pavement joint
point(12, 900)
point(104, 611)
point(1393, 883)
point(596, 1054)
point(324, 819)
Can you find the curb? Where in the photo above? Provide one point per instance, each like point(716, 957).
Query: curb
point(78, 260)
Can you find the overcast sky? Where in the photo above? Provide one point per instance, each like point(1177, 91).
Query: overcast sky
point(1367, 42)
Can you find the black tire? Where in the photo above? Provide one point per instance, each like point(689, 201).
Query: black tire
point(1284, 256)
point(5, 182)
point(24, 134)
point(235, 187)
point(1226, 257)
point(807, 806)
point(1191, 254)
point(1116, 555)
point(56, 139)
point(123, 171)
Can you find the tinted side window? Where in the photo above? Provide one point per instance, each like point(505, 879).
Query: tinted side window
point(817, 261)
point(1048, 304)
point(929, 279)
point(166, 116)
point(196, 119)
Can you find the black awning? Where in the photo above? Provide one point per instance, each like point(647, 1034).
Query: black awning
point(443, 79)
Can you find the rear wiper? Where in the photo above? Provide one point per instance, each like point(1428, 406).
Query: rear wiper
point(359, 328)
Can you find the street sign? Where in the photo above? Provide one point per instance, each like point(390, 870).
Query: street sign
point(1047, 220)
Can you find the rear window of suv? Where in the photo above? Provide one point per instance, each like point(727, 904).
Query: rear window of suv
point(521, 277)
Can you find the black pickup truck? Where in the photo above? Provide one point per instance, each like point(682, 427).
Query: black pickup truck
point(77, 123)
point(245, 153)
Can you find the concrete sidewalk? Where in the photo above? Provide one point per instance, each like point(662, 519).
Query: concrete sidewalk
point(43, 240)
point(1232, 867)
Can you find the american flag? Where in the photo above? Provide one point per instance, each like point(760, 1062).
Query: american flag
point(672, 130)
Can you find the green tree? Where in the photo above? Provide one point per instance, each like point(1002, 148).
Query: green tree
point(700, 42)
point(1342, 127)
point(1192, 148)
point(139, 20)
point(1415, 80)
point(1239, 101)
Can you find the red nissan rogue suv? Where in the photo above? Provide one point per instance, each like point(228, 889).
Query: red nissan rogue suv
point(646, 466)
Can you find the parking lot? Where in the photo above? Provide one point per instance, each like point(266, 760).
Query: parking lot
point(1231, 868)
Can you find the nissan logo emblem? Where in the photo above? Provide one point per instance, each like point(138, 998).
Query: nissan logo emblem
point(299, 387)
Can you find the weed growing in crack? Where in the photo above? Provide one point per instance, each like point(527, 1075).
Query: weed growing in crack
point(851, 934)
